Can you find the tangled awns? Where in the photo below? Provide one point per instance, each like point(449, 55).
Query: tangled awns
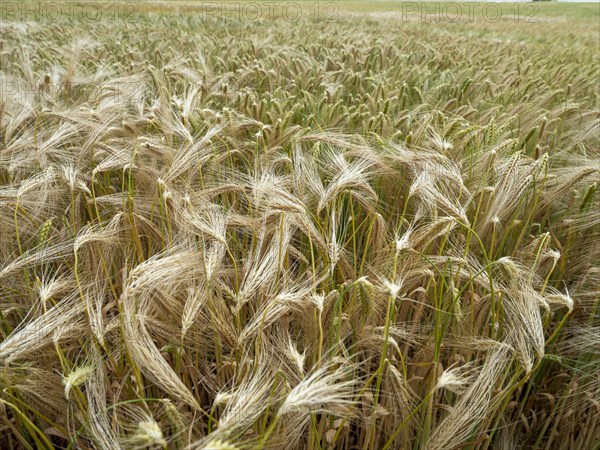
point(363, 233)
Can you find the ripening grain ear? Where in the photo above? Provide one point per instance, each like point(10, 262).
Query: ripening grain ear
point(101, 429)
point(477, 401)
point(246, 402)
point(158, 273)
point(348, 176)
point(195, 299)
point(320, 391)
point(63, 321)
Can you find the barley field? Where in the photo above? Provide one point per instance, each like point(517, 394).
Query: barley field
point(343, 226)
